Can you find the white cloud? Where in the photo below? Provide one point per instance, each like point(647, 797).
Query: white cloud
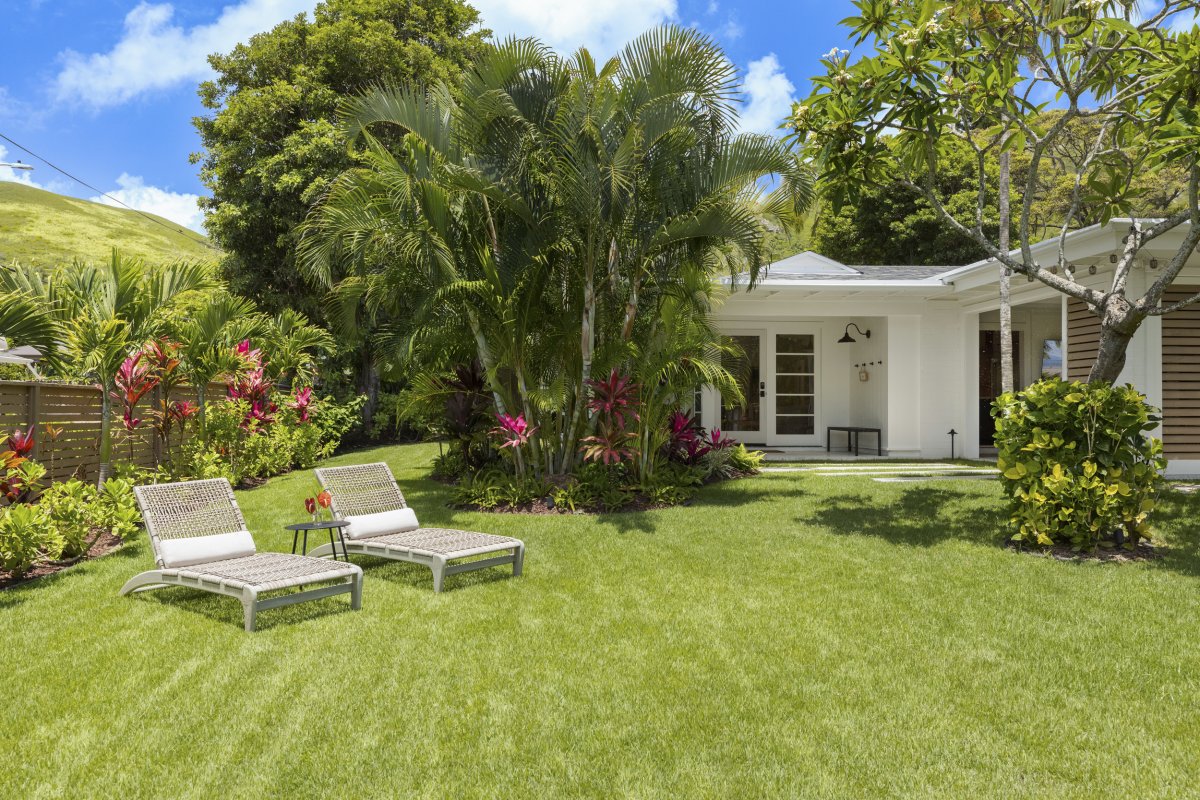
point(154, 54)
point(769, 96)
point(566, 25)
point(175, 206)
point(16, 175)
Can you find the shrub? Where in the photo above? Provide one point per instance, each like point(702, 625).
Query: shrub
point(494, 488)
point(746, 461)
point(117, 508)
point(25, 536)
point(1077, 464)
point(72, 508)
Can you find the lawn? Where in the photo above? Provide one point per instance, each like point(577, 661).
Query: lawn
point(786, 635)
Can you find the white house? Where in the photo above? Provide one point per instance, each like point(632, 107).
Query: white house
point(930, 363)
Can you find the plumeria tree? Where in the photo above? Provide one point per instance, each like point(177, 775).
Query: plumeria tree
point(936, 74)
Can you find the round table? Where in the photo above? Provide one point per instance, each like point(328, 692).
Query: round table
point(320, 525)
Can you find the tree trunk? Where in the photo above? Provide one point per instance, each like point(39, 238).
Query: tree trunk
point(105, 438)
point(1007, 382)
point(369, 385)
point(1118, 323)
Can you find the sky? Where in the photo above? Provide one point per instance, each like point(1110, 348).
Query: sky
point(106, 89)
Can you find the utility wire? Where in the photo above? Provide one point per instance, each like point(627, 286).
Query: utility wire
point(116, 200)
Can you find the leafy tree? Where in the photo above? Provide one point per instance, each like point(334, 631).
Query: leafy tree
point(272, 144)
point(542, 220)
point(937, 76)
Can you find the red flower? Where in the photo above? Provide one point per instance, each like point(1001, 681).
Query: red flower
point(310, 505)
point(324, 499)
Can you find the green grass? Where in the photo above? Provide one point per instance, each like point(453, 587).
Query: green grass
point(43, 228)
point(786, 635)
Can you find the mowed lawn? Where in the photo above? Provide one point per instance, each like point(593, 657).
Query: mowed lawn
point(786, 635)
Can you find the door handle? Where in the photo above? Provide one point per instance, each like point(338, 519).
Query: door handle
point(762, 388)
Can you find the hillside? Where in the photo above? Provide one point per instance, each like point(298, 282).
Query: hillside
point(40, 227)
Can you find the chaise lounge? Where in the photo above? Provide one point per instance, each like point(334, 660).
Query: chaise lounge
point(381, 524)
point(200, 541)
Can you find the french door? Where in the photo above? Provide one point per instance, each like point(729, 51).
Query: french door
point(777, 373)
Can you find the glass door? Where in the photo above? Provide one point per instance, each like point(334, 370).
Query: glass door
point(745, 422)
point(795, 386)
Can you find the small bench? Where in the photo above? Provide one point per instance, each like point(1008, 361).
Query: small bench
point(852, 434)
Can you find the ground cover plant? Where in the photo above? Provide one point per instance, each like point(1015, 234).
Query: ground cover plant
point(785, 635)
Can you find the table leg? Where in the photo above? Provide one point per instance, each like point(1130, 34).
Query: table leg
point(306, 543)
point(345, 553)
point(857, 435)
point(828, 436)
point(332, 546)
point(295, 538)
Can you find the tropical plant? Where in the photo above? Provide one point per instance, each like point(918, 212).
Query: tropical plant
point(25, 536)
point(941, 75)
point(538, 219)
point(295, 345)
point(1077, 463)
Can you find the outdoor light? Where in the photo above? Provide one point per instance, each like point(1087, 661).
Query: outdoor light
point(1091, 269)
point(847, 338)
point(1154, 263)
point(1112, 258)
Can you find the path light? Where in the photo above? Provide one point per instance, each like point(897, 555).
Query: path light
point(848, 339)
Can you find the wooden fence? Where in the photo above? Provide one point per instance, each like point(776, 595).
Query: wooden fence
point(75, 409)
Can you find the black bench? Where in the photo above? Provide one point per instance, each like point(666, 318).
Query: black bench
point(852, 433)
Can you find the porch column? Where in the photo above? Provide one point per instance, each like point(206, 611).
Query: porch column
point(904, 385)
point(970, 370)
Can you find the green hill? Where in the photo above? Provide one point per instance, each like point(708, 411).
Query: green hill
point(43, 228)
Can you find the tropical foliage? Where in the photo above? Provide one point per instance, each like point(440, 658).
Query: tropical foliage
point(555, 221)
point(1077, 463)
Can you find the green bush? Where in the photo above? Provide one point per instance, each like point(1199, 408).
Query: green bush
point(493, 488)
point(746, 461)
point(72, 508)
point(1077, 464)
point(25, 536)
point(117, 509)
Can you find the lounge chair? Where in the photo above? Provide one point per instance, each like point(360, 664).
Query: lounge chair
point(382, 524)
point(200, 540)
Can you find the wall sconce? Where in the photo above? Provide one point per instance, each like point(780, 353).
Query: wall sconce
point(1154, 263)
point(1112, 258)
point(848, 339)
point(1092, 269)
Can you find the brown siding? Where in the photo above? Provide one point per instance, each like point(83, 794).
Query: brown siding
point(1083, 339)
point(1181, 376)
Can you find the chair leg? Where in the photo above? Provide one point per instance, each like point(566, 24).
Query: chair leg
point(356, 592)
point(518, 561)
point(250, 609)
point(439, 573)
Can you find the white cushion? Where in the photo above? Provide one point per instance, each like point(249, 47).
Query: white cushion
point(202, 549)
point(364, 526)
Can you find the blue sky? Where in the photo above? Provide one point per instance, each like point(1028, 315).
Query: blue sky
point(106, 89)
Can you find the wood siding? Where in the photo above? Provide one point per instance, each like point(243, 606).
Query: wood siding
point(1181, 376)
point(1083, 339)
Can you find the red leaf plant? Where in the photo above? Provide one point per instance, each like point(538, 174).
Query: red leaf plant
point(615, 403)
point(301, 402)
point(513, 431)
point(254, 387)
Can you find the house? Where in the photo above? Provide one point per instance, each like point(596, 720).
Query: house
point(914, 351)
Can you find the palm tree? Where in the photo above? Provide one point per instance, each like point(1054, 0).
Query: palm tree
point(208, 339)
point(106, 312)
point(537, 216)
point(293, 344)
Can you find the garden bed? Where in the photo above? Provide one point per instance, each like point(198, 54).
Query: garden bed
point(1143, 551)
point(105, 544)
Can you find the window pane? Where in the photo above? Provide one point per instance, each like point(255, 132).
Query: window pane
point(794, 343)
point(786, 363)
point(793, 425)
point(795, 384)
point(794, 404)
point(746, 370)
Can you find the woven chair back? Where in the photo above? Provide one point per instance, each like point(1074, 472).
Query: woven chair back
point(361, 489)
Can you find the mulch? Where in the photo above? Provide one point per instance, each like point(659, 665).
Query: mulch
point(1144, 551)
point(103, 545)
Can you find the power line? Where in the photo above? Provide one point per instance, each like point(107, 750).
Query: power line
point(116, 200)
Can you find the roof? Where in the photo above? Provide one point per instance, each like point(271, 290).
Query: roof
point(810, 267)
